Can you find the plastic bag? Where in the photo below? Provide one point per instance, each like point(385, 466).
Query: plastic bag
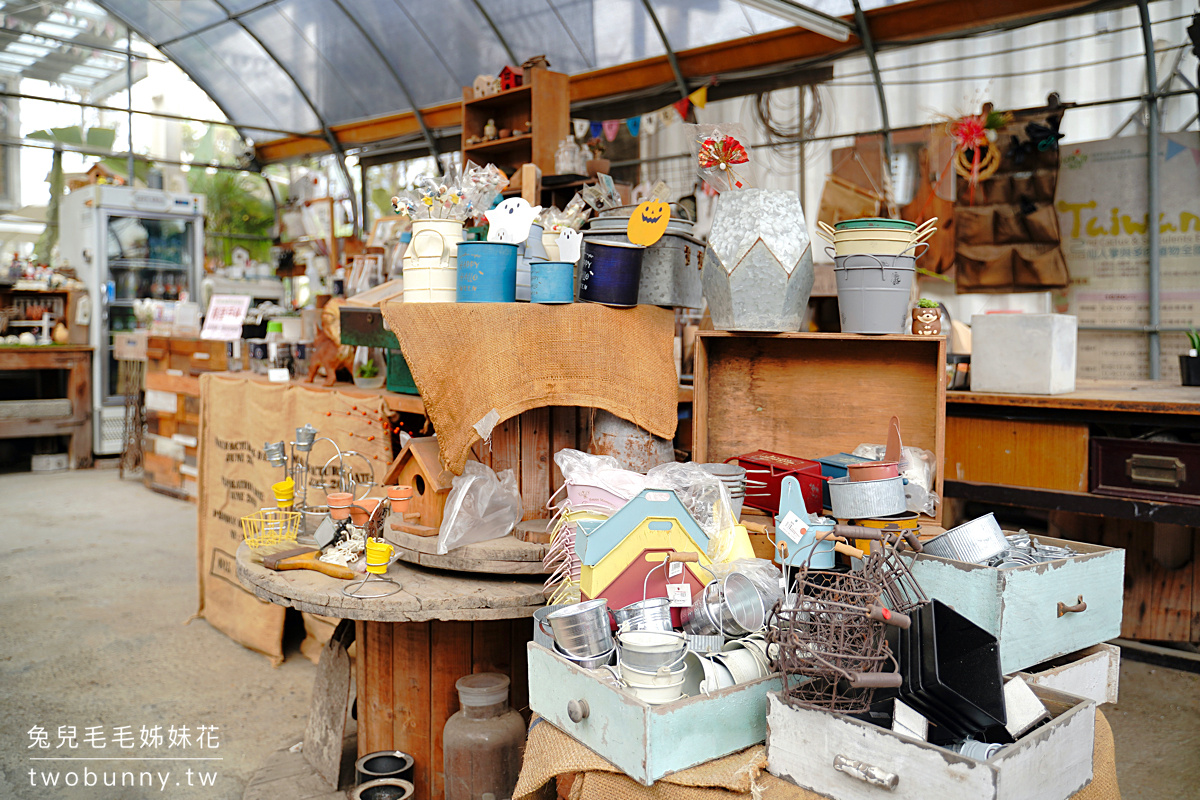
point(765, 576)
point(705, 498)
point(482, 505)
point(720, 154)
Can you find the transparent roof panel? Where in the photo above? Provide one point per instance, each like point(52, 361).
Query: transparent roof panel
point(163, 20)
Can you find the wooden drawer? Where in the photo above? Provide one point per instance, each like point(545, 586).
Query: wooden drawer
point(1016, 452)
point(1051, 763)
point(1165, 471)
point(1020, 605)
point(646, 741)
point(1094, 673)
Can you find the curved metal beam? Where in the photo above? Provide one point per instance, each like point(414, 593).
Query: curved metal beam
point(671, 59)
point(395, 73)
point(334, 144)
point(492, 24)
point(864, 36)
point(1153, 202)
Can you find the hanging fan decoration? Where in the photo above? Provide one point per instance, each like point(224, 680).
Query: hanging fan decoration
point(718, 154)
point(976, 153)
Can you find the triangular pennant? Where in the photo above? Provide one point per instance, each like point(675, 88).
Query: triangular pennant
point(634, 124)
point(667, 116)
point(611, 128)
point(682, 107)
point(650, 123)
point(1174, 148)
point(594, 130)
point(699, 97)
point(581, 127)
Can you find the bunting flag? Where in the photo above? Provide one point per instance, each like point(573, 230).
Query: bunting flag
point(611, 128)
point(667, 116)
point(581, 127)
point(595, 129)
point(634, 124)
point(682, 107)
point(649, 123)
point(699, 97)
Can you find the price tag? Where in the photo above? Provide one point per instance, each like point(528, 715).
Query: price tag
point(792, 526)
point(679, 595)
point(674, 568)
point(279, 375)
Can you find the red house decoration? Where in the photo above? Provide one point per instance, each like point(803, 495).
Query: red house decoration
point(511, 78)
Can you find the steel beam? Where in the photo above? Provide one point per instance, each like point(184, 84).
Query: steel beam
point(680, 83)
point(496, 30)
point(1153, 201)
point(864, 36)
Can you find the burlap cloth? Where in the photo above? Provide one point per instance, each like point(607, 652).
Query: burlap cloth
point(469, 358)
point(549, 753)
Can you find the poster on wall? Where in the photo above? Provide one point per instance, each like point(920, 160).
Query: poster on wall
point(1102, 212)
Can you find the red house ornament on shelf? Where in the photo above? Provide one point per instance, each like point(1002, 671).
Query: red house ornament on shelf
point(511, 78)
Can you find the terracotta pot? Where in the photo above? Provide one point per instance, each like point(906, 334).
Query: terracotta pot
point(595, 166)
point(873, 470)
point(361, 511)
point(339, 504)
point(400, 497)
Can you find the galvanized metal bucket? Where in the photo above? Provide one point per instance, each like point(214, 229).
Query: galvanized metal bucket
point(653, 614)
point(582, 629)
point(670, 268)
point(758, 270)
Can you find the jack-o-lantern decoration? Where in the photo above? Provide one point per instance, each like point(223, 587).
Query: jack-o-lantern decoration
point(649, 222)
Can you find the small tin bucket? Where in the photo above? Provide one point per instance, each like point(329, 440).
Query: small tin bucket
point(487, 272)
point(552, 282)
point(611, 273)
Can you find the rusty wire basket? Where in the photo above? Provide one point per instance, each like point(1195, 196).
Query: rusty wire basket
point(832, 646)
point(886, 565)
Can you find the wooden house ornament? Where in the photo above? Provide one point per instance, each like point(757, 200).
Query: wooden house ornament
point(419, 465)
point(511, 78)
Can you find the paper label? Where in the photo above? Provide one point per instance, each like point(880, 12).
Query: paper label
point(279, 375)
point(679, 595)
point(792, 526)
point(674, 568)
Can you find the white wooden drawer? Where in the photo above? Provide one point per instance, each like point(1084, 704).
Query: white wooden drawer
point(647, 741)
point(1020, 606)
point(1094, 673)
point(1050, 763)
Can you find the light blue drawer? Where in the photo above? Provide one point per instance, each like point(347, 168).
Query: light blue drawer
point(1020, 605)
point(646, 741)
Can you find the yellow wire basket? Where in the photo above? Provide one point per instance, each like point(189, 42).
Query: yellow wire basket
point(270, 526)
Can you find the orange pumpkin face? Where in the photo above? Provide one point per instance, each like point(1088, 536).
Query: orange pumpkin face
point(649, 222)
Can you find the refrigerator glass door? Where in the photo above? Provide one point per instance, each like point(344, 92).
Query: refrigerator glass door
point(146, 257)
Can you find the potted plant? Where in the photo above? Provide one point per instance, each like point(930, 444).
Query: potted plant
point(1189, 365)
point(369, 370)
point(597, 164)
point(927, 318)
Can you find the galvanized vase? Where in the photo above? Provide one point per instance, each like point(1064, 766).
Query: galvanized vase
point(758, 270)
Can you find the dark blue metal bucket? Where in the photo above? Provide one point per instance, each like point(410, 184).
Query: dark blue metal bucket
point(487, 272)
point(610, 273)
point(552, 282)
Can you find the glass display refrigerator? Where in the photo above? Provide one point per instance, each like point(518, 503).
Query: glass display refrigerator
point(127, 244)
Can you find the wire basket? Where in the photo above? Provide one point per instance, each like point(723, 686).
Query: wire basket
point(270, 526)
point(886, 565)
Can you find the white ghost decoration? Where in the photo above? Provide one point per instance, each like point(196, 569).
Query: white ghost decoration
point(510, 221)
point(569, 241)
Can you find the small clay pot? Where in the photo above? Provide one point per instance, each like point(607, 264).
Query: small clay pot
point(339, 504)
point(361, 511)
point(872, 470)
point(596, 166)
point(399, 497)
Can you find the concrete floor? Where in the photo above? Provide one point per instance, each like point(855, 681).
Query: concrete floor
point(99, 578)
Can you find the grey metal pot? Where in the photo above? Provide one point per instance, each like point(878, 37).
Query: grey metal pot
point(758, 270)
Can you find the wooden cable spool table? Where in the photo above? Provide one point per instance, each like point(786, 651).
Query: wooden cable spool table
point(414, 645)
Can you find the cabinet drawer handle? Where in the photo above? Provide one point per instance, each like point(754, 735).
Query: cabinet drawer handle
point(1079, 607)
point(1156, 470)
point(866, 773)
point(577, 710)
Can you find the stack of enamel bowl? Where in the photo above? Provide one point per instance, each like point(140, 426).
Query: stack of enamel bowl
point(875, 261)
point(734, 478)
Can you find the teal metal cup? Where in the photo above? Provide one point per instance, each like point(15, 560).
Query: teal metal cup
point(552, 282)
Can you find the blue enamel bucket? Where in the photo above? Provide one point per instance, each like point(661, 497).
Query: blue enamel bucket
point(487, 272)
point(552, 282)
point(610, 273)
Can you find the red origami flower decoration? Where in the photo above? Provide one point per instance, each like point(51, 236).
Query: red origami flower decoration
point(722, 153)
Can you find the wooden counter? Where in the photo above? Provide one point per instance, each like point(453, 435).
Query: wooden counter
point(69, 416)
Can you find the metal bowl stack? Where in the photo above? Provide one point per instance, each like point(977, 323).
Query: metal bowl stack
point(734, 478)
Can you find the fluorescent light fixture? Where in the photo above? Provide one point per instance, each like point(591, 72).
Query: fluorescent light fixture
point(807, 18)
point(14, 58)
point(55, 29)
point(34, 50)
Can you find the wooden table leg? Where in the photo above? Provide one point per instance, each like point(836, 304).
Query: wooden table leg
point(406, 677)
point(80, 392)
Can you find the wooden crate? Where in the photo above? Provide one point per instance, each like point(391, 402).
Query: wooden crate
point(1094, 673)
point(816, 394)
point(173, 367)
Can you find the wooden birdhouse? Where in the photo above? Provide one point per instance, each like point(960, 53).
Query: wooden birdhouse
point(419, 465)
point(485, 85)
point(511, 78)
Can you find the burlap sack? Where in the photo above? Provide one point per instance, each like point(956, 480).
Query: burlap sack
point(470, 358)
point(549, 752)
point(239, 414)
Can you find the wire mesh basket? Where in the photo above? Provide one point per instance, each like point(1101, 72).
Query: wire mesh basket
point(832, 650)
point(270, 526)
point(886, 565)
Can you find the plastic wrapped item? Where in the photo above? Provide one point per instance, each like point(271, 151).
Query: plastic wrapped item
point(721, 155)
point(765, 576)
point(481, 506)
point(705, 498)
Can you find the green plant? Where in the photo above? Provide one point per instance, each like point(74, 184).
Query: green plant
point(367, 369)
point(1194, 338)
point(925, 302)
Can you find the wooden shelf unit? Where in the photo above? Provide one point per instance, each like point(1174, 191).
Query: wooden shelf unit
point(543, 102)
